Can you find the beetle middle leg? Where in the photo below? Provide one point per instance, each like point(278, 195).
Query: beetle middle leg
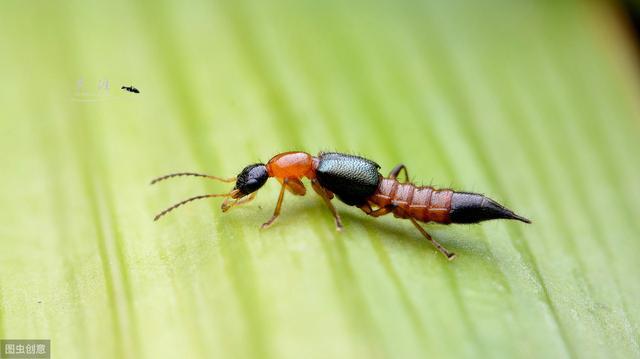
point(276, 212)
point(439, 247)
point(326, 197)
point(396, 171)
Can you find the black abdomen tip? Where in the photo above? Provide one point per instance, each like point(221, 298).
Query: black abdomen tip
point(474, 208)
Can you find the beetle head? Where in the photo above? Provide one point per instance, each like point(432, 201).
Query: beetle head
point(250, 180)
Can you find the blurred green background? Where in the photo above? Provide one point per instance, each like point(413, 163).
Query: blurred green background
point(534, 103)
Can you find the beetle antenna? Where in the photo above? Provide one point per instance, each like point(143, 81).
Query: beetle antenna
point(187, 201)
point(192, 174)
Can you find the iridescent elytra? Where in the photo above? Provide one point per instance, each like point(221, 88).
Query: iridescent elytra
point(356, 181)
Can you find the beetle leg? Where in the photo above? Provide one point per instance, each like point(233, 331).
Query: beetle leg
point(276, 212)
point(376, 212)
point(396, 171)
point(439, 247)
point(381, 211)
point(295, 186)
point(326, 197)
point(228, 203)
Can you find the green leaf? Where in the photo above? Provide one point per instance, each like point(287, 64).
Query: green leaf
point(534, 104)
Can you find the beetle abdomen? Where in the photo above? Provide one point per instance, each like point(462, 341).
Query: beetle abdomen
point(473, 208)
point(353, 179)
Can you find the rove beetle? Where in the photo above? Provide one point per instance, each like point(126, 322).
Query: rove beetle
point(356, 181)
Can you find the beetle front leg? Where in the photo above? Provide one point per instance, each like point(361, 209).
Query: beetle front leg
point(228, 203)
point(276, 212)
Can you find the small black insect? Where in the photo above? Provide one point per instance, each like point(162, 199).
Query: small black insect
point(130, 89)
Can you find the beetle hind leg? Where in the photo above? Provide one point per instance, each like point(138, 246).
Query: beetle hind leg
point(396, 171)
point(380, 211)
point(450, 255)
